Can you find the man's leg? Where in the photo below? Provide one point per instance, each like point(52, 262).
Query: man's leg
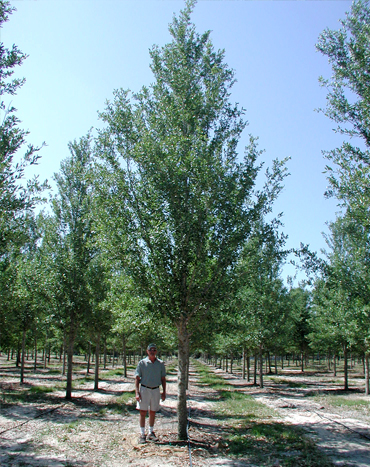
point(154, 404)
point(151, 419)
point(142, 420)
point(142, 415)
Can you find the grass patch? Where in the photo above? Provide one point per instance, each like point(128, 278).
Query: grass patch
point(274, 444)
point(123, 404)
point(37, 390)
point(116, 372)
point(240, 407)
point(289, 383)
point(208, 378)
point(25, 395)
point(346, 402)
point(54, 371)
point(343, 402)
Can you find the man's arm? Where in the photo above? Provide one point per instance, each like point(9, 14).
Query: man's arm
point(164, 388)
point(137, 390)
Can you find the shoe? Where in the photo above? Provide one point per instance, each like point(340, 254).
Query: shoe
point(142, 439)
point(152, 437)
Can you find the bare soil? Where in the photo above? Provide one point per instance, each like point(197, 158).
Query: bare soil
point(95, 429)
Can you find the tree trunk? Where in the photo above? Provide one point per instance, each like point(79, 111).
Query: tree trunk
point(124, 356)
point(255, 369)
point(261, 366)
point(97, 352)
point(71, 342)
point(276, 371)
point(248, 367)
point(22, 355)
point(367, 371)
point(183, 338)
point(187, 370)
point(35, 361)
point(244, 358)
point(269, 363)
point(88, 359)
point(105, 353)
point(64, 352)
point(18, 361)
point(345, 356)
point(335, 364)
point(302, 362)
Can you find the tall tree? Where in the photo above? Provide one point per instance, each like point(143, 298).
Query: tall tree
point(299, 303)
point(348, 104)
point(68, 240)
point(261, 297)
point(187, 198)
point(16, 196)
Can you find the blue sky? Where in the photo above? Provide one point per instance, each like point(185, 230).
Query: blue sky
point(81, 50)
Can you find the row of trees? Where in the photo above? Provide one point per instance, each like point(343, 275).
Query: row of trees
point(160, 232)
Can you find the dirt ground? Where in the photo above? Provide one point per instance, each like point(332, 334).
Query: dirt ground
point(86, 432)
point(341, 433)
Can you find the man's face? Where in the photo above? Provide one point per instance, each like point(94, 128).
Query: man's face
point(152, 353)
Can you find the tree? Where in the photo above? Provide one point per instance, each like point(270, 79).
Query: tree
point(299, 302)
point(188, 201)
point(348, 104)
point(15, 197)
point(68, 245)
point(261, 296)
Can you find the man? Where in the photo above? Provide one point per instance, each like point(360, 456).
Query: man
point(150, 374)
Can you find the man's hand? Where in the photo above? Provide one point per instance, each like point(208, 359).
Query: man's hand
point(138, 397)
point(163, 396)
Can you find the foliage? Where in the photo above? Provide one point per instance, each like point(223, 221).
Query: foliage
point(15, 197)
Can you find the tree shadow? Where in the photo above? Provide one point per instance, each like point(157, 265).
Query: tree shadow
point(25, 453)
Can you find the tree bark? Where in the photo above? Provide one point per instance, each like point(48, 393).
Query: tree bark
point(261, 366)
point(367, 371)
point(71, 342)
point(22, 355)
point(345, 356)
point(97, 353)
point(88, 359)
point(124, 356)
point(183, 338)
point(64, 352)
point(255, 369)
point(248, 367)
point(35, 361)
point(244, 358)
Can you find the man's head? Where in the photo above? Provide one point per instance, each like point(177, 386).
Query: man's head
point(152, 351)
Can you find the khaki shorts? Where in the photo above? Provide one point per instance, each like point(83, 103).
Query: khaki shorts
point(149, 399)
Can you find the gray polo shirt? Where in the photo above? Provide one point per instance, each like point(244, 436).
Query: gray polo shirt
point(150, 374)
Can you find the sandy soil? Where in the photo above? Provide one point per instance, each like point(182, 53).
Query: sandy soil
point(85, 432)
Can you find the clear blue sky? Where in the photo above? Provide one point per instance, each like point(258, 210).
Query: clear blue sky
point(81, 50)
